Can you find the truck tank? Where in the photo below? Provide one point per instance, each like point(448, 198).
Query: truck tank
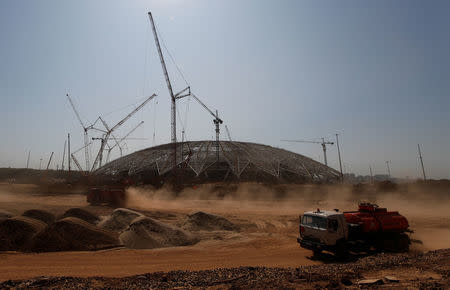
point(371, 219)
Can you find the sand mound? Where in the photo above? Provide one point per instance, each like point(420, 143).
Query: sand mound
point(16, 233)
point(148, 233)
point(119, 219)
point(208, 222)
point(81, 214)
point(73, 234)
point(42, 215)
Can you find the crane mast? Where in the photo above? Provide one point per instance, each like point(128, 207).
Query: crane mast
point(173, 119)
point(85, 129)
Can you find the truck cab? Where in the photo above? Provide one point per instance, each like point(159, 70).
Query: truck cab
point(323, 230)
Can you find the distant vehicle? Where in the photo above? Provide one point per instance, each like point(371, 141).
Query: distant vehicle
point(369, 229)
point(106, 195)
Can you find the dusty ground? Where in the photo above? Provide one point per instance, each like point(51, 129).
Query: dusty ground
point(267, 239)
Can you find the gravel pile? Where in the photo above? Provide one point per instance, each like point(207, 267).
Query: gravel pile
point(81, 214)
point(119, 219)
point(42, 215)
point(148, 233)
point(16, 233)
point(329, 276)
point(208, 222)
point(73, 234)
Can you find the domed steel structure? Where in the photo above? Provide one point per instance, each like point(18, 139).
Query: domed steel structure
point(209, 161)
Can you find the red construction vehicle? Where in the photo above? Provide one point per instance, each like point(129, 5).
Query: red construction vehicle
point(369, 229)
point(106, 195)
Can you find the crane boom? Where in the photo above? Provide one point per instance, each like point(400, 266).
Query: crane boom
point(76, 112)
point(204, 106)
point(169, 85)
point(301, 141)
point(132, 113)
point(106, 136)
point(323, 143)
point(228, 133)
point(128, 134)
point(49, 160)
point(76, 162)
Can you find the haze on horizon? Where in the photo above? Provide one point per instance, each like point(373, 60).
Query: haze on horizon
point(375, 72)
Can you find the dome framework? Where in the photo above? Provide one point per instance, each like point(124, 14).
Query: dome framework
point(199, 162)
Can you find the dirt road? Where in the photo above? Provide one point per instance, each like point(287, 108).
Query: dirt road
point(267, 238)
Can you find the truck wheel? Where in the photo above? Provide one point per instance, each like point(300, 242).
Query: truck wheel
point(341, 252)
point(403, 242)
point(317, 252)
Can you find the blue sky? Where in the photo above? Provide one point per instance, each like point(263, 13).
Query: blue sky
point(376, 72)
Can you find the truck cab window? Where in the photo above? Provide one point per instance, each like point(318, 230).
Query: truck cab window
point(314, 221)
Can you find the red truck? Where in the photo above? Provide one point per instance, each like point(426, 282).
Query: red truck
point(106, 195)
point(370, 228)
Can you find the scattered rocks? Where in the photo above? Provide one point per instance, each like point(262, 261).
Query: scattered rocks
point(81, 214)
point(148, 233)
point(208, 222)
point(119, 219)
point(307, 277)
point(42, 215)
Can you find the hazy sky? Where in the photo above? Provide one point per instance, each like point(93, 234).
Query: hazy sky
point(376, 72)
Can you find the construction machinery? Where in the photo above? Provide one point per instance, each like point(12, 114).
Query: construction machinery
point(369, 229)
point(99, 195)
point(323, 143)
point(109, 131)
point(85, 132)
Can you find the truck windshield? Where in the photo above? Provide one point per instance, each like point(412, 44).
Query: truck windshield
point(314, 221)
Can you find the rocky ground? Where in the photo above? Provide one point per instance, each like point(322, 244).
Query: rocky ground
point(400, 271)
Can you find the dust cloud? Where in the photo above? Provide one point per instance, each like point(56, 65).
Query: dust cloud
point(427, 209)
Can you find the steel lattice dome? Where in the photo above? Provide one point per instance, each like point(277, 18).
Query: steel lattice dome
point(198, 161)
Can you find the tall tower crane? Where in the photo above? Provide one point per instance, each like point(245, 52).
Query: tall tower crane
point(85, 129)
point(323, 143)
point(173, 97)
point(98, 159)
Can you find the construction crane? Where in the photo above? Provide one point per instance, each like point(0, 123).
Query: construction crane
point(120, 141)
point(75, 160)
point(217, 121)
point(228, 133)
point(98, 159)
point(49, 160)
point(323, 143)
point(173, 97)
point(85, 129)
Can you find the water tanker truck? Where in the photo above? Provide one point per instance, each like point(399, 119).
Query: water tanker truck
point(369, 229)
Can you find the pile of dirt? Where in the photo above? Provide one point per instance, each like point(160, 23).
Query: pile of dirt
point(119, 219)
point(16, 233)
point(5, 215)
point(208, 222)
point(73, 234)
point(148, 233)
point(81, 214)
point(42, 215)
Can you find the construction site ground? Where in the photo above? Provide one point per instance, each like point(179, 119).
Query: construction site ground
point(263, 253)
